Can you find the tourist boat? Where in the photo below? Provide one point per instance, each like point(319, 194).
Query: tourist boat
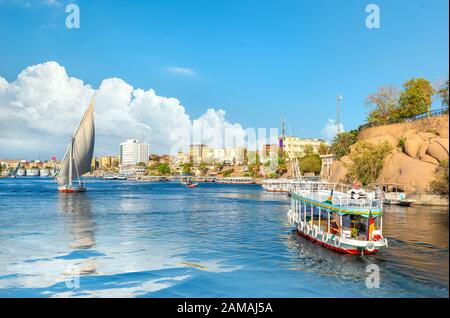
point(121, 176)
point(32, 172)
point(277, 185)
point(78, 157)
point(333, 216)
point(236, 180)
point(44, 172)
point(109, 177)
point(393, 194)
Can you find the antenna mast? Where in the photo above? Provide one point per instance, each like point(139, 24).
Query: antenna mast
point(338, 114)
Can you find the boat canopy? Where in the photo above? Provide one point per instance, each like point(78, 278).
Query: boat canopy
point(363, 211)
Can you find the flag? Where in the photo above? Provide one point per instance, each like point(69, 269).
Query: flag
point(371, 225)
point(330, 198)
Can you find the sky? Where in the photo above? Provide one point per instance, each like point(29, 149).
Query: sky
point(158, 66)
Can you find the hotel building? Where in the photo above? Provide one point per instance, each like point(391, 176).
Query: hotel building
point(295, 147)
point(133, 152)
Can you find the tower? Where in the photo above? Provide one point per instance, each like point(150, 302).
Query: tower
point(338, 114)
point(283, 131)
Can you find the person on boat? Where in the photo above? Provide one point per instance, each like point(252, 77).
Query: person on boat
point(335, 226)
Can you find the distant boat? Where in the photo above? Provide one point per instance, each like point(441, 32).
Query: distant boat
point(32, 172)
point(44, 172)
point(78, 157)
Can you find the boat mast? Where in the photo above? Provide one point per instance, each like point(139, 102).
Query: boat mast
point(70, 161)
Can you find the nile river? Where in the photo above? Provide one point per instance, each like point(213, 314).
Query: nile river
point(128, 239)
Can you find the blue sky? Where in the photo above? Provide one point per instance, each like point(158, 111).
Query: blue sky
point(255, 59)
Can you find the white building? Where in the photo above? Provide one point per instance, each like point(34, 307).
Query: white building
point(295, 147)
point(132, 152)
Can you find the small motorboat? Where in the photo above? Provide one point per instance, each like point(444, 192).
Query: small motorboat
point(192, 185)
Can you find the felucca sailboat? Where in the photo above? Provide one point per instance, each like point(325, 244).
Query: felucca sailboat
point(78, 157)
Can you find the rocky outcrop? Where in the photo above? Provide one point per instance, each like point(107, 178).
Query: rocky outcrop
point(339, 170)
point(402, 169)
point(391, 140)
point(438, 149)
point(425, 145)
point(412, 145)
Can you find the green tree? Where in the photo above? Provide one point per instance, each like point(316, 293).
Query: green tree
point(416, 97)
point(383, 105)
point(228, 172)
point(187, 168)
point(311, 163)
point(342, 142)
point(253, 169)
point(308, 150)
point(163, 169)
point(323, 148)
point(203, 167)
point(142, 164)
point(443, 93)
point(440, 184)
point(368, 161)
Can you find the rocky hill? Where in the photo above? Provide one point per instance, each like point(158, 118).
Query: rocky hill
point(418, 146)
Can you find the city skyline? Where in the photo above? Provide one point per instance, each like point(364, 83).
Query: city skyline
point(152, 77)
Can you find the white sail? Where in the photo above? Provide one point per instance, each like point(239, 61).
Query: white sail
point(80, 149)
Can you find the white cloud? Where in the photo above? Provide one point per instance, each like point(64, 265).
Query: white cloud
point(180, 70)
point(330, 129)
point(41, 108)
point(32, 3)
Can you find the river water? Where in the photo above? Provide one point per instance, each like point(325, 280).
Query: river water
point(128, 239)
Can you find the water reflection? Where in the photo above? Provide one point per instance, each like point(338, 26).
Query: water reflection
point(418, 242)
point(76, 210)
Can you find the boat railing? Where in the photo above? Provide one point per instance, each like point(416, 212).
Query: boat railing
point(342, 197)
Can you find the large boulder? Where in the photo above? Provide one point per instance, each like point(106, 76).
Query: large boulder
point(339, 169)
point(412, 145)
point(402, 169)
point(423, 149)
point(438, 149)
point(391, 140)
point(443, 132)
point(429, 159)
point(443, 142)
point(427, 135)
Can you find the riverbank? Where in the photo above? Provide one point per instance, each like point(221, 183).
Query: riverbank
point(429, 199)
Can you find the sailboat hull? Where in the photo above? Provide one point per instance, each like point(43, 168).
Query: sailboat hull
point(71, 189)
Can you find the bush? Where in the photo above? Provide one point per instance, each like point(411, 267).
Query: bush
point(187, 168)
point(163, 169)
point(401, 143)
point(368, 161)
point(311, 163)
point(227, 173)
point(440, 184)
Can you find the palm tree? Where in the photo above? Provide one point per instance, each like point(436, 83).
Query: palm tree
point(342, 142)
